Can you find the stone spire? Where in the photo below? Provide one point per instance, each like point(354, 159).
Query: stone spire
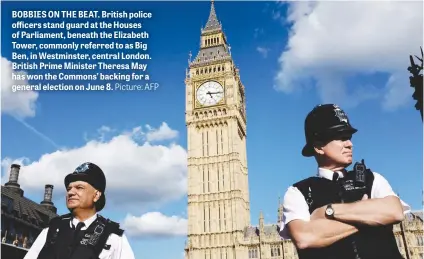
point(213, 23)
point(213, 43)
point(280, 211)
point(261, 221)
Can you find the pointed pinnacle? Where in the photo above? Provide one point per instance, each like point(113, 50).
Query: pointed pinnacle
point(212, 22)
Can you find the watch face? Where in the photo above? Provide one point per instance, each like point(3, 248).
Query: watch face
point(329, 211)
point(210, 93)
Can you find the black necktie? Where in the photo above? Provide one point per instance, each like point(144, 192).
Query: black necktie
point(79, 226)
point(335, 176)
point(78, 229)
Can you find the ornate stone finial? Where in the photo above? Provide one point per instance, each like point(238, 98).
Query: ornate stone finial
point(189, 58)
point(261, 220)
point(280, 211)
point(261, 224)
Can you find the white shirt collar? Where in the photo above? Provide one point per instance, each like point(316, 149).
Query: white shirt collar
point(87, 222)
point(327, 173)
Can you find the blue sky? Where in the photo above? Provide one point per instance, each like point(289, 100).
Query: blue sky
point(291, 56)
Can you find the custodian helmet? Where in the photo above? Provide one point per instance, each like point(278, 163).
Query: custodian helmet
point(92, 174)
point(325, 122)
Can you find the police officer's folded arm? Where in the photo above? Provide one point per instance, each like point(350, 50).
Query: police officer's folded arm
point(318, 233)
point(373, 212)
point(303, 229)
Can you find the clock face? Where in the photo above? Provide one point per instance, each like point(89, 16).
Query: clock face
point(210, 93)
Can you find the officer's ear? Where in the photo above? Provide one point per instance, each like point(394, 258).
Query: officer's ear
point(319, 148)
point(97, 196)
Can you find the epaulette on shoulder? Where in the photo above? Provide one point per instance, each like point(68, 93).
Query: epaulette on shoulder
point(305, 181)
point(66, 216)
point(113, 226)
point(60, 218)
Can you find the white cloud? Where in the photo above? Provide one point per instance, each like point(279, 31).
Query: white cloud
point(148, 174)
point(163, 133)
point(140, 133)
point(330, 42)
point(257, 32)
point(263, 51)
point(155, 224)
point(18, 104)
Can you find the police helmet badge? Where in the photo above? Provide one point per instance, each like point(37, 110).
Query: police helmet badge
point(82, 168)
point(340, 114)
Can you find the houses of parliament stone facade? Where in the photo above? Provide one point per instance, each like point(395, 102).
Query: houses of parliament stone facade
point(219, 225)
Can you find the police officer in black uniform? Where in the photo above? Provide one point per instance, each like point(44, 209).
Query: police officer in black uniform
point(83, 233)
point(340, 214)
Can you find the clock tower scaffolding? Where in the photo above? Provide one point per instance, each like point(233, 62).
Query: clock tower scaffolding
point(218, 193)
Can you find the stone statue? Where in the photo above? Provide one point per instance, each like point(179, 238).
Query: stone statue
point(16, 241)
point(25, 243)
point(416, 81)
point(3, 240)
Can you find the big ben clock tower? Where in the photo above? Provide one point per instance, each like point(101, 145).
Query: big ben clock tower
point(218, 193)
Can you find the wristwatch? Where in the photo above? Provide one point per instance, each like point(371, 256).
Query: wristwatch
point(329, 211)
